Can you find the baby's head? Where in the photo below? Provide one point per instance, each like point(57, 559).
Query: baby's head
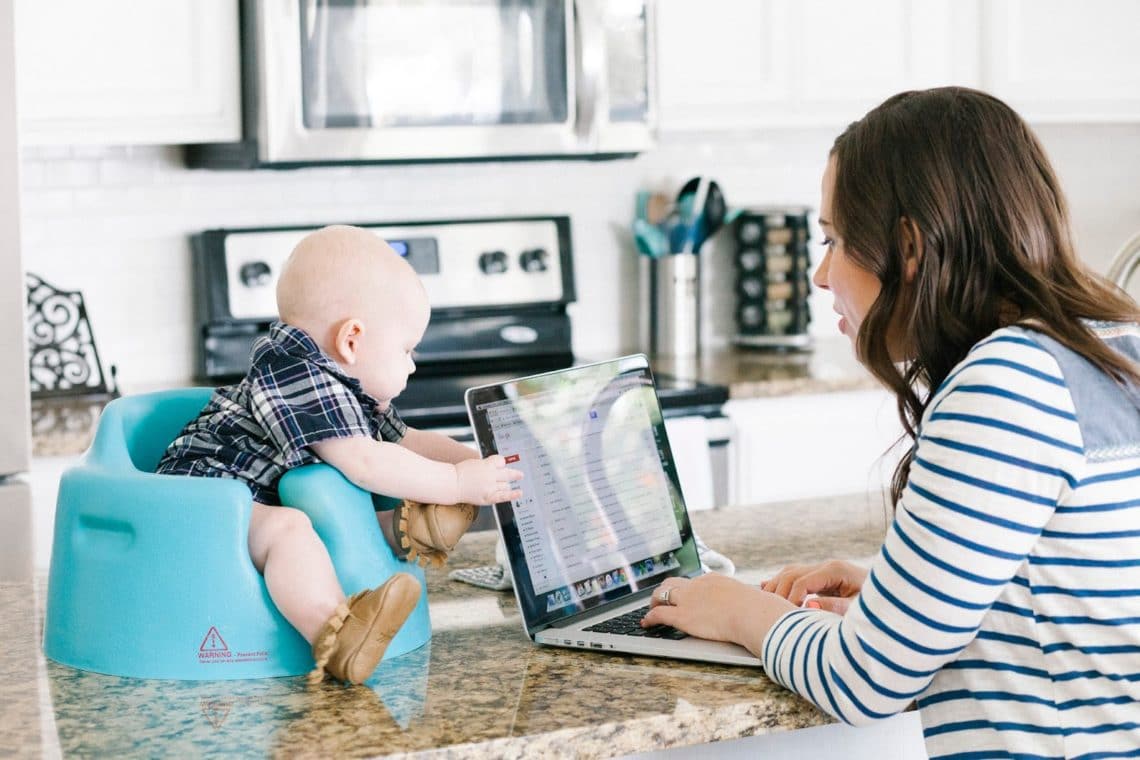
point(360, 301)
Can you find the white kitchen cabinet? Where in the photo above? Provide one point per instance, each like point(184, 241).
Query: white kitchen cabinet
point(725, 64)
point(740, 64)
point(44, 479)
point(1055, 60)
point(121, 72)
point(813, 445)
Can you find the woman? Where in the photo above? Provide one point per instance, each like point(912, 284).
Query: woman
point(1006, 597)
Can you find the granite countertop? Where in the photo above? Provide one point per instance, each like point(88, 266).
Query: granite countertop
point(65, 427)
point(478, 689)
point(830, 365)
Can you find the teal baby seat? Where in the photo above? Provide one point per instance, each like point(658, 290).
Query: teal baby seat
point(150, 574)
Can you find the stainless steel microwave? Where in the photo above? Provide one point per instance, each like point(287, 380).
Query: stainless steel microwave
point(359, 81)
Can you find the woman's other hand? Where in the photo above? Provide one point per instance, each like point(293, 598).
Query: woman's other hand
point(716, 607)
point(835, 584)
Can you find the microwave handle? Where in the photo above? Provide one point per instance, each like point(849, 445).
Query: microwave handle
point(591, 91)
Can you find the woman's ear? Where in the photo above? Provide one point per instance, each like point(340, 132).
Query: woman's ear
point(911, 245)
point(346, 340)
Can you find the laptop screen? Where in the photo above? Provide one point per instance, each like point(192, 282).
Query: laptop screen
point(601, 516)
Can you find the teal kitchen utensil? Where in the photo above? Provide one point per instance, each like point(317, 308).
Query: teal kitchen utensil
point(712, 216)
point(641, 205)
point(651, 240)
point(641, 237)
point(701, 212)
point(696, 216)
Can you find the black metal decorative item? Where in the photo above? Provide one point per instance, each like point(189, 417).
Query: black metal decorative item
point(62, 358)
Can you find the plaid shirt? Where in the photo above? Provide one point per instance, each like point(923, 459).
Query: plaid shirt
point(293, 396)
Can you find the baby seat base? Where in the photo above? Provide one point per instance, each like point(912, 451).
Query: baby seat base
point(150, 574)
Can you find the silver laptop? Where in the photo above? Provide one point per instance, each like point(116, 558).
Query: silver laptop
point(601, 521)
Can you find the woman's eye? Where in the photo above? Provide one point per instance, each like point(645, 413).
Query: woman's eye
point(827, 242)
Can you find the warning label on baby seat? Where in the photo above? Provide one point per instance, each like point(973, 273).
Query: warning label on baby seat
point(214, 649)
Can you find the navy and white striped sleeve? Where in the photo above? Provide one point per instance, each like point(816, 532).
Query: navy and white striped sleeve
point(994, 457)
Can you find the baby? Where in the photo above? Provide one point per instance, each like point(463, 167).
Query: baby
point(320, 388)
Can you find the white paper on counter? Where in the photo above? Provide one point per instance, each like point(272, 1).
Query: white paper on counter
point(689, 440)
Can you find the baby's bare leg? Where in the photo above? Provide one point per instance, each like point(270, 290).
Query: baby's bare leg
point(384, 517)
point(296, 565)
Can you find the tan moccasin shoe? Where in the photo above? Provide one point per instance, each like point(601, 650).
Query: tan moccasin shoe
point(351, 644)
point(431, 531)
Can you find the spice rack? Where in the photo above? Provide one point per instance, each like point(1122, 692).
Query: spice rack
point(773, 277)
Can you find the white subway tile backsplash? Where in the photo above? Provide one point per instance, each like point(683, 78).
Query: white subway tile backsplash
point(42, 203)
point(114, 222)
point(116, 199)
point(31, 174)
point(76, 172)
point(46, 152)
point(95, 152)
point(123, 170)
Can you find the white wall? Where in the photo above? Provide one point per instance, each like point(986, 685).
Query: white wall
point(113, 222)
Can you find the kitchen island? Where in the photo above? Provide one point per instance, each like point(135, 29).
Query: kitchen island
point(478, 689)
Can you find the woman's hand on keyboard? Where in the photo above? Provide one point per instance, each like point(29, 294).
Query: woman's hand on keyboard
point(834, 583)
point(715, 607)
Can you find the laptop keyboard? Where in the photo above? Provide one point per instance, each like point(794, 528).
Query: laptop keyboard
point(629, 624)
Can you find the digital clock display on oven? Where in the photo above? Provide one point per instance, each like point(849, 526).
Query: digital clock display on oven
point(421, 253)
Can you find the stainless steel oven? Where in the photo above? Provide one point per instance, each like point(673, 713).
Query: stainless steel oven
point(347, 81)
point(498, 289)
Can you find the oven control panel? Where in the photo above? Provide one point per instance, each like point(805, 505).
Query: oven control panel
point(463, 264)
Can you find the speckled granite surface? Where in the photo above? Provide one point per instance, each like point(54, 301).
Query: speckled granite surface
point(754, 373)
point(63, 428)
point(479, 689)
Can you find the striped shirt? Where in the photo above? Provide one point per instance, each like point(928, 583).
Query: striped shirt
point(294, 395)
point(1006, 597)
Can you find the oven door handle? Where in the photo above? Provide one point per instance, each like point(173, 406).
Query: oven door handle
point(591, 90)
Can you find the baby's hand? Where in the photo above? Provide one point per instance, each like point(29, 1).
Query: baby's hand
point(486, 481)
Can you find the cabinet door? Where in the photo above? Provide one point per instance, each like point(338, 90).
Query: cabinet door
point(722, 63)
point(128, 72)
point(43, 484)
point(827, 444)
point(726, 64)
point(854, 56)
point(1055, 60)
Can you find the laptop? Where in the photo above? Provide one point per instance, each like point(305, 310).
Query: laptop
point(601, 521)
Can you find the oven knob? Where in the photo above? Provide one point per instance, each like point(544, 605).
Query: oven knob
point(254, 274)
point(493, 262)
point(533, 260)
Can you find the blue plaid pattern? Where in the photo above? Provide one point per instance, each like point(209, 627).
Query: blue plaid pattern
point(293, 396)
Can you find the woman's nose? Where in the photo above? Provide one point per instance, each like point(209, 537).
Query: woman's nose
point(819, 279)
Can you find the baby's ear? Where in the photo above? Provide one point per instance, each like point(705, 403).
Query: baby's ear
point(346, 341)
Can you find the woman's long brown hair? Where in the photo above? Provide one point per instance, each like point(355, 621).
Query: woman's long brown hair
point(997, 247)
